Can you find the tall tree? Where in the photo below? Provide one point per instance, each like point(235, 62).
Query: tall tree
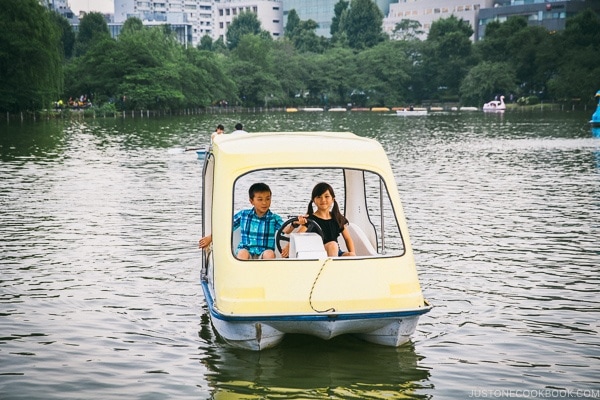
point(339, 10)
point(92, 28)
point(448, 56)
point(30, 56)
point(578, 49)
point(67, 34)
point(245, 23)
point(293, 21)
point(364, 24)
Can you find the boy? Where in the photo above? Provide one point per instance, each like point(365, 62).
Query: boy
point(258, 226)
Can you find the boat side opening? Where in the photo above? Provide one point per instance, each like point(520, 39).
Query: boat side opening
point(362, 197)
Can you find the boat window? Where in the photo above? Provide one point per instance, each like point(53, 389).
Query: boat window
point(361, 195)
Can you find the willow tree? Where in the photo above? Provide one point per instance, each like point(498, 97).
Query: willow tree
point(30, 56)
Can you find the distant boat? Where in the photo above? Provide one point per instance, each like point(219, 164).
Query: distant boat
point(596, 116)
point(337, 109)
point(380, 109)
point(407, 112)
point(313, 109)
point(495, 105)
point(291, 109)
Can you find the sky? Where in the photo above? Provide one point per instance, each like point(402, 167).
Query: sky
point(103, 6)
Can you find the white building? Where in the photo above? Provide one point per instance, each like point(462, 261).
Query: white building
point(268, 12)
point(193, 19)
point(428, 11)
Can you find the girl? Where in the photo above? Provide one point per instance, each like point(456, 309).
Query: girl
point(330, 219)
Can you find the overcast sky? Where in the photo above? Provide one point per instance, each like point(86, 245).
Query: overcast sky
point(103, 6)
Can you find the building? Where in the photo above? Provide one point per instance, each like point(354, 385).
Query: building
point(322, 12)
point(428, 11)
point(189, 19)
point(62, 7)
point(193, 19)
point(551, 14)
point(268, 12)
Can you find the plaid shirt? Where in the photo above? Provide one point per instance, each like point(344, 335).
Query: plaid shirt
point(257, 233)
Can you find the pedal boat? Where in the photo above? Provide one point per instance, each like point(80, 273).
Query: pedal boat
point(253, 304)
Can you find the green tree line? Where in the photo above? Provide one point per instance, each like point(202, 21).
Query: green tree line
point(42, 60)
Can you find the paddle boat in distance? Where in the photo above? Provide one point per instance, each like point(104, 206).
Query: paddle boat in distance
point(253, 304)
point(595, 121)
point(411, 112)
point(495, 105)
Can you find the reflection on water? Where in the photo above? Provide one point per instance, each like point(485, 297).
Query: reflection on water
point(99, 273)
point(308, 368)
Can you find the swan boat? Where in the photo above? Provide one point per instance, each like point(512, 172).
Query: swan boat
point(253, 304)
point(495, 105)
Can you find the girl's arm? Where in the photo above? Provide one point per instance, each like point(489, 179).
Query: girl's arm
point(349, 242)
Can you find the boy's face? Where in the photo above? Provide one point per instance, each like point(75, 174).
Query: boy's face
point(261, 202)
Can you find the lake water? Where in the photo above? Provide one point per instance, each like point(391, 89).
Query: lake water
point(99, 268)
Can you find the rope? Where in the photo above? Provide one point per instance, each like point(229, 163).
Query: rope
point(313, 287)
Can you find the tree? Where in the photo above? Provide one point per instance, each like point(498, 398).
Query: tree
point(206, 43)
point(30, 56)
point(245, 23)
point(252, 67)
point(448, 56)
point(303, 34)
point(529, 49)
point(578, 50)
point(363, 25)
point(339, 10)
point(67, 35)
point(132, 25)
point(92, 28)
point(486, 80)
point(293, 21)
point(407, 29)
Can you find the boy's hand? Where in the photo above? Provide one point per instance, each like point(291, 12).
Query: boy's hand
point(205, 242)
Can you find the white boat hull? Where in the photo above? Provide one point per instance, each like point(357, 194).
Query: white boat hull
point(262, 332)
point(408, 113)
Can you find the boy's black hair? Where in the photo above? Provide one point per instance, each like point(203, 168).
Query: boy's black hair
point(239, 126)
point(258, 188)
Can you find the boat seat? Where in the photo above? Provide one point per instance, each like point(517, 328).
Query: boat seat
point(307, 245)
point(362, 245)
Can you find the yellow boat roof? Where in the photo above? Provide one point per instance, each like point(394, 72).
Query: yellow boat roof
point(290, 149)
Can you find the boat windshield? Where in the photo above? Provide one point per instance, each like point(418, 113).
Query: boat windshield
point(361, 195)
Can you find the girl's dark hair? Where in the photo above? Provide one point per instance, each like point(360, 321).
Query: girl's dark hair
point(336, 214)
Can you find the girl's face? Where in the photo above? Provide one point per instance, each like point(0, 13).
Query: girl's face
point(324, 201)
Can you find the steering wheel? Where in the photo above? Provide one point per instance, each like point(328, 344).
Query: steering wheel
point(311, 226)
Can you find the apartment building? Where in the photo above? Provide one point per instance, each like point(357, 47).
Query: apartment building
point(268, 12)
point(193, 19)
point(322, 12)
point(428, 11)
